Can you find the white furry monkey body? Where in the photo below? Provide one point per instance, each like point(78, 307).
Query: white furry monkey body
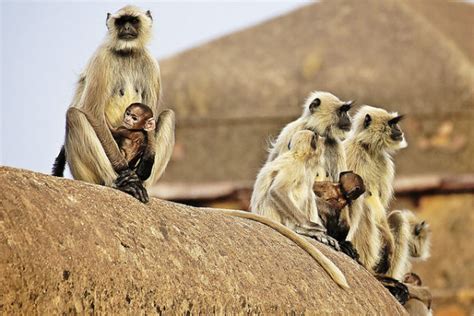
point(369, 147)
point(326, 115)
point(122, 71)
point(293, 172)
point(283, 193)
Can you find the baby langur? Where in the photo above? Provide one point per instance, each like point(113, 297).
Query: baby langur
point(412, 241)
point(283, 191)
point(419, 301)
point(369, 147)
point(332, 198)
point(136, 138)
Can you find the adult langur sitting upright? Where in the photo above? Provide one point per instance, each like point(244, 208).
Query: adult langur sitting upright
point(121, 72)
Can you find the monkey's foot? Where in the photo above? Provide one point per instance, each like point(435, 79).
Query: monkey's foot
point(348, 249)
point(128, 182)
point(327, 240)
point(396, 288)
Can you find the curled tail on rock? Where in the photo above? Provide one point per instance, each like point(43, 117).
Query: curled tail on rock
point(314, 252)
point(59, 163)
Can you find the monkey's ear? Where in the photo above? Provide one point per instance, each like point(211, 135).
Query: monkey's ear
point(107, 20)
point(395, 120)
point(150, 125)
point(419, 227)
point(312, 107)
point(367, 120)
point(346, 106)
point(148, 14)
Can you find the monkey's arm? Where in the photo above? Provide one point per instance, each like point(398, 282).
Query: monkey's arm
point(284, 205)
point(148, 158)
point(421, 293)
point(92, 104)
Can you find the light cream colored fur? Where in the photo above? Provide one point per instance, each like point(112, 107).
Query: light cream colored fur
point(293, 170)
point(293, 174)
point(108, 85)
point(411, 244)
point(369, 154)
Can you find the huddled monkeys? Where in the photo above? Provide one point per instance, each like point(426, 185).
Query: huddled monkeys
point(121, 72)
point(384, 242)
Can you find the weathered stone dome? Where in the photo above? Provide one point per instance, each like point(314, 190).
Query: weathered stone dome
point(72, 247)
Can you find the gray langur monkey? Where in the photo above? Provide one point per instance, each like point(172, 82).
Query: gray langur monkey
point(283, 192)
point(326, 115)
point(412, 241)
point(375, 136)
point(121, 72)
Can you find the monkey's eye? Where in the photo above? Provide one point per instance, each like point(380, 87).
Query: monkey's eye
point(135, 20)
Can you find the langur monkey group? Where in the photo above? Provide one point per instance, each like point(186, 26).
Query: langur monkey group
point(121, 72)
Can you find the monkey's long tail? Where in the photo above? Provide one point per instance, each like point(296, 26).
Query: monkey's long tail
point(314, 252)
point(59, 164)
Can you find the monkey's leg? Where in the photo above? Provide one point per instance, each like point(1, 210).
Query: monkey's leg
point(401, 231)
point(164, 138)
point(88, 160)
point(84, 152)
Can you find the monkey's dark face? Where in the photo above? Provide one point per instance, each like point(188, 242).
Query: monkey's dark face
point(127, 27)
point(328, 116)
point(379, 129)
point(344, 122)
point(134, 118)
point(395, 131)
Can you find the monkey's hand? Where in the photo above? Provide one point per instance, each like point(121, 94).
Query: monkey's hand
point(318, 232)
point(128, 182)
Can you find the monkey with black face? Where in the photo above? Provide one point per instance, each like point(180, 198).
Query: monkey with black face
point(376, 135)
point(121, 72)
point(327, 116)
point(136, 138)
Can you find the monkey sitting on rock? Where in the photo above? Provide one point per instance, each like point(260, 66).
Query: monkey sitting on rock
point(419, 301)
point(136, 138)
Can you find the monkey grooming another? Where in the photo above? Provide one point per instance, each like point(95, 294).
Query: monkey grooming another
point(136, 138)
point(121, 72)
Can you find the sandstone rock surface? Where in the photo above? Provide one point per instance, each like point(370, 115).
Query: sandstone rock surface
point(72, 247)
